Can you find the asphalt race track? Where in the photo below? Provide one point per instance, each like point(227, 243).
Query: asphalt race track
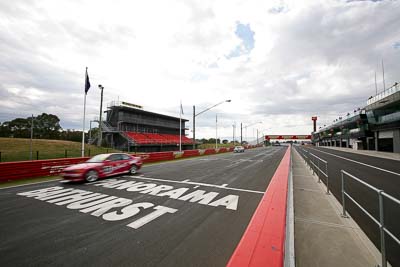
point(381, 173)
point(190, 212)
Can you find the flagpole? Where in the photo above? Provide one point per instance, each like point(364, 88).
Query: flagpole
point(180, 127)
point(83, 128)
point(87, 86)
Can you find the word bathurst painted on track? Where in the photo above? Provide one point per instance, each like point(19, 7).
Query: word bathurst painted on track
point(98, 204)
point(113, 208)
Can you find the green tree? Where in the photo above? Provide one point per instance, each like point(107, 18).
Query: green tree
point(5, 130)
point(47, 126)
point(19, 127)
point(72, 135)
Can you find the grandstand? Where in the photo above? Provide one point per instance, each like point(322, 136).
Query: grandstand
point(376, 126)
point(129, 127)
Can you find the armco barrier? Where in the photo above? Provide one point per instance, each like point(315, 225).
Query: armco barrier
point(263, 241)
point(23, 169)
point(209, 151)
point(190, 153)
point(156, 156)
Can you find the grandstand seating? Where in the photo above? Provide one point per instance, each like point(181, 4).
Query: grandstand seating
point(156, 138)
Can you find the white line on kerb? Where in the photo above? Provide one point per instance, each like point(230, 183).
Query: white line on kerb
point(195, 183)
point(361, 163)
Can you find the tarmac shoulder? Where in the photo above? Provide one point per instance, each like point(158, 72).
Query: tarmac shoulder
point(372, 153)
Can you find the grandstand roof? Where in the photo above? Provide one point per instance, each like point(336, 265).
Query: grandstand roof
point(141, 111)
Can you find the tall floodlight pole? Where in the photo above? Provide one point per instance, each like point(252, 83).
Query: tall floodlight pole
point(30, 154)
point(241, 133)
point(90, 131)
point(216, 130)
point(383, 76)
point(195, 115)
point(180, 127)
point(100, 119)
point(194, 127)
point(233, 134)
point(253, 129)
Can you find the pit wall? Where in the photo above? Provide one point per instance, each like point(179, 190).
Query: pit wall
point(37, 168)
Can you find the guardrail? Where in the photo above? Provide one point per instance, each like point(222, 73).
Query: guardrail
point(317, 165)
point(381, 222)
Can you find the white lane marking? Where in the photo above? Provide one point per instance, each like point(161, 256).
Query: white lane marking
point(361, 163)
point(29, 184)
point(240, 161)
point(224, 185)
point(187, 180)
point(200, 184)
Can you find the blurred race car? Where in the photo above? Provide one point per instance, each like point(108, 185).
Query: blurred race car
point(101, 166)
point(238, 149)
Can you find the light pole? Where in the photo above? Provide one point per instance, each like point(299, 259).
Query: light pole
point(216, 130)
point(241, 133)
point(30, 154)
point(90, 131)
point(195, 115)
point(233, 134)
point(257, 138)
point(249, 126)
point(101, 111)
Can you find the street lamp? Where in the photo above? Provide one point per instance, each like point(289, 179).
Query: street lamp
point(195, 115)
point(246, 129)
point(233, 135)
point(90, 130)
point(101, 111)
point(216, 130)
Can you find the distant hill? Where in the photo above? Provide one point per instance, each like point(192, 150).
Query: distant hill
point(16, 149)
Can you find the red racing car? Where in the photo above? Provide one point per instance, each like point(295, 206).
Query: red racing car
point(101, 166)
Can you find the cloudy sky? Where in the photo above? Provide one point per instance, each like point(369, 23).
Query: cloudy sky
point(280, 62)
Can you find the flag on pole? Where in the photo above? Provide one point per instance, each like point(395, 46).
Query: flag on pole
point(182, 109)
point(87, 82)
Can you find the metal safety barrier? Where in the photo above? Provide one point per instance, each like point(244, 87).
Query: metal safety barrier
point(381, 222)
point(317, 165)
